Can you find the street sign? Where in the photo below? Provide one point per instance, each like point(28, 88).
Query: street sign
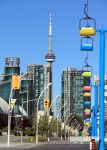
point(12, 103)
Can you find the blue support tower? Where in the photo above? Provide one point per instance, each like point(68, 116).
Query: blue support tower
point(94, 111)
point(101, 85)
point(96, 106)
point(93, 121)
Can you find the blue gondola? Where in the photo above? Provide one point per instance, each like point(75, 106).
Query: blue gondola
point(86, 44)
point(87, 104)
point(87, 120)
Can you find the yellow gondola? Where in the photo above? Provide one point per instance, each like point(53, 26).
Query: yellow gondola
point(87, 124)
point(87, 74)
point(87, 31)
point(87, 110)
point(87, 26)
point(86, 94)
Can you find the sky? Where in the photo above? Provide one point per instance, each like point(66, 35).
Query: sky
point(24, 26)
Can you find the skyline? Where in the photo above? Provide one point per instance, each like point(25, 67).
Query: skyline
point(24, 31)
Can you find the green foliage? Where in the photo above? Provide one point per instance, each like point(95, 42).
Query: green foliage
point(17, 129)
point(33, 118)
point(28, 131)
point(43, 124)
point(53, 125)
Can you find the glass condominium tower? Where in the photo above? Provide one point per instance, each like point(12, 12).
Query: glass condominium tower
point(71, 93)
point(40, 76)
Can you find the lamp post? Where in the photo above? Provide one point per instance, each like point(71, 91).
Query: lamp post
point(61, 120)
point(37, 111)
point(9, 113)
point(54, 101)
point(49, 113)
point(65, 121)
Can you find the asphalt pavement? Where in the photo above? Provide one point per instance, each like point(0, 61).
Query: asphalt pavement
point(55, 144)
point(49, 146)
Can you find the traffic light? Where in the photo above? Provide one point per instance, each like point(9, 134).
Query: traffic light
point(15, 82)
point(46, 103)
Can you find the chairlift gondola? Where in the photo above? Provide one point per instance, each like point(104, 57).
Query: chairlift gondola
point(87, 104)
point(87, 94)
point(86, 44)
point(87, 26)
point(87, 119)
point(86, 89)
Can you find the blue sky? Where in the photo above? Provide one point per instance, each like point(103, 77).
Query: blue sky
point(24, 33)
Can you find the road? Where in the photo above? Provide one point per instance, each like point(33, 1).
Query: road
point(52, 145)
point(61, 146)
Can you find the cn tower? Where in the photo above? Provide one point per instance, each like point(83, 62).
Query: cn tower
point(50, 58)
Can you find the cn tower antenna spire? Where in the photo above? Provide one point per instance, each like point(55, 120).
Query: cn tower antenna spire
point(50, 35)
point(50, 25)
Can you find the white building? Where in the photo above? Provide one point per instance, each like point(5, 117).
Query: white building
point(96, 80)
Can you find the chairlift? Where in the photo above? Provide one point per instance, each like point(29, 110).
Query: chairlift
point(86, 44)
point(86, 89)
point(87, 119)
point(87, 110)
point(87, 94)
point(87, 26)
point(87, 104)
point(87, 113)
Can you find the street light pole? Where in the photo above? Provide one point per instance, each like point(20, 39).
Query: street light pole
point(22, 123)
point(37, 111)
point(61, 118)
point(49, 113)
point(9, 118)
point(9, 113)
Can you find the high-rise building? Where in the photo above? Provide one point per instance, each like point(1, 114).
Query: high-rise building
point(40, 76)
point(96, 80)
point(58, 107)
point(37, 76)
point(72, 94)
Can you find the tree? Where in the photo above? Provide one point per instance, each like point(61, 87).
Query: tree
point(53, 125)
point(28, 131)
point(43, 125)
point(33, 118)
